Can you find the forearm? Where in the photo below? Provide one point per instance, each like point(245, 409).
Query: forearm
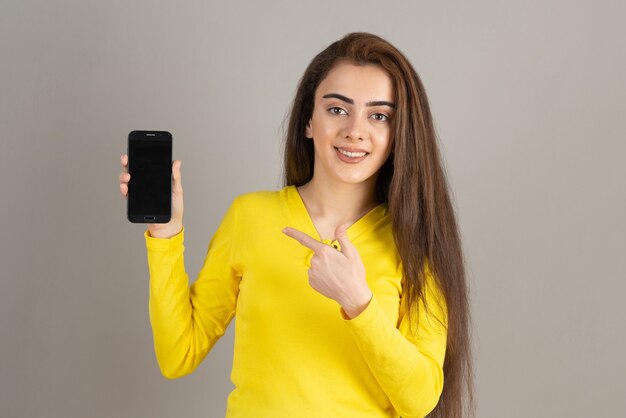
point(411, 378)
point(178, 344)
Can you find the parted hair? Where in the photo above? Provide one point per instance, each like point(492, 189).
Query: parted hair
point(413, 183)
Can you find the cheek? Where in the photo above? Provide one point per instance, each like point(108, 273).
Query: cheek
point(326, 129)
point(384, 142)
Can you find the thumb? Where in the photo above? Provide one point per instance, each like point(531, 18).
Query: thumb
point(176, 183)
point(346, 246)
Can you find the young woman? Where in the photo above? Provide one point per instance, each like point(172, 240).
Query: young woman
point(348, 284)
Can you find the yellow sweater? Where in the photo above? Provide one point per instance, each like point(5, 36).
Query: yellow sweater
point(295, 354)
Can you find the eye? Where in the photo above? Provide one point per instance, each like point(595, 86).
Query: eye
point(337, 111)
point(381, 117)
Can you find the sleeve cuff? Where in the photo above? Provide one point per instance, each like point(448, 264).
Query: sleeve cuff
point(163, 244)
point(365, 317)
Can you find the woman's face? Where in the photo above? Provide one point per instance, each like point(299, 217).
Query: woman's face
point(351, 124)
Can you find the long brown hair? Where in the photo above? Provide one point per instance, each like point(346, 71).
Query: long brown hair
point(414, 185)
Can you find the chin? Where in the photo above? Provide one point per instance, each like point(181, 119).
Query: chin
point(355, 179)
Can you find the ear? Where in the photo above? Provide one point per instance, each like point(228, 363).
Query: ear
point(308, 132)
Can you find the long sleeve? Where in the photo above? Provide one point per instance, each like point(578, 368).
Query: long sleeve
point(188, 321)
point(407, 363)
point(293, 353)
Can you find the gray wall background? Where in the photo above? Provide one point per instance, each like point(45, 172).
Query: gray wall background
point(528, 100)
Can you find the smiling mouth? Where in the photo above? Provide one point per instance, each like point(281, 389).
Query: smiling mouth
point(352, 154)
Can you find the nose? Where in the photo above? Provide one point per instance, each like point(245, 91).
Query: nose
point(356, 129)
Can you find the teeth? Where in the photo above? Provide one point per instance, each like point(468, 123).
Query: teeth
point(352, 154)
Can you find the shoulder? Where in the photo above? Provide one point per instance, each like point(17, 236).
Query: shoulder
point(258, 199)
point(261, 203)
point(258, 213)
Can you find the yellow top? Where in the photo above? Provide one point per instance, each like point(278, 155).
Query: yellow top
point(295, 354)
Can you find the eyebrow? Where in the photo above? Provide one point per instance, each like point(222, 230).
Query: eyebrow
point(350, 101)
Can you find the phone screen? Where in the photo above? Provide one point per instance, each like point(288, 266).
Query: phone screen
point(150, 168)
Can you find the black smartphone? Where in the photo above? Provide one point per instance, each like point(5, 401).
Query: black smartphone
point(150, 168)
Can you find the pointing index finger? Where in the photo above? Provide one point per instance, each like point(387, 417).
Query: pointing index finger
point(304, 239)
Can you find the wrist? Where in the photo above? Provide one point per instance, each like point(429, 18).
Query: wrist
point(354, 307)
point(165, 232)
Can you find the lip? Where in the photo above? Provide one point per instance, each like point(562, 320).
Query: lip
point(350, 160)
point(350, 149)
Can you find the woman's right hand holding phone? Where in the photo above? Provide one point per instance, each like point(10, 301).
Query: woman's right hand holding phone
point(175, 225)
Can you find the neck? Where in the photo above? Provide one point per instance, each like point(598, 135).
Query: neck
point(338, 202)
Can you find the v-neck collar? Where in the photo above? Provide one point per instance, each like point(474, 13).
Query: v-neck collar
point(302, 219)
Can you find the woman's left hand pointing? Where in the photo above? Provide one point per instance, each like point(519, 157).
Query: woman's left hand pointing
point(338, 275)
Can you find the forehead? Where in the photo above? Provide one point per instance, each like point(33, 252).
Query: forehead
point(362, 83)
